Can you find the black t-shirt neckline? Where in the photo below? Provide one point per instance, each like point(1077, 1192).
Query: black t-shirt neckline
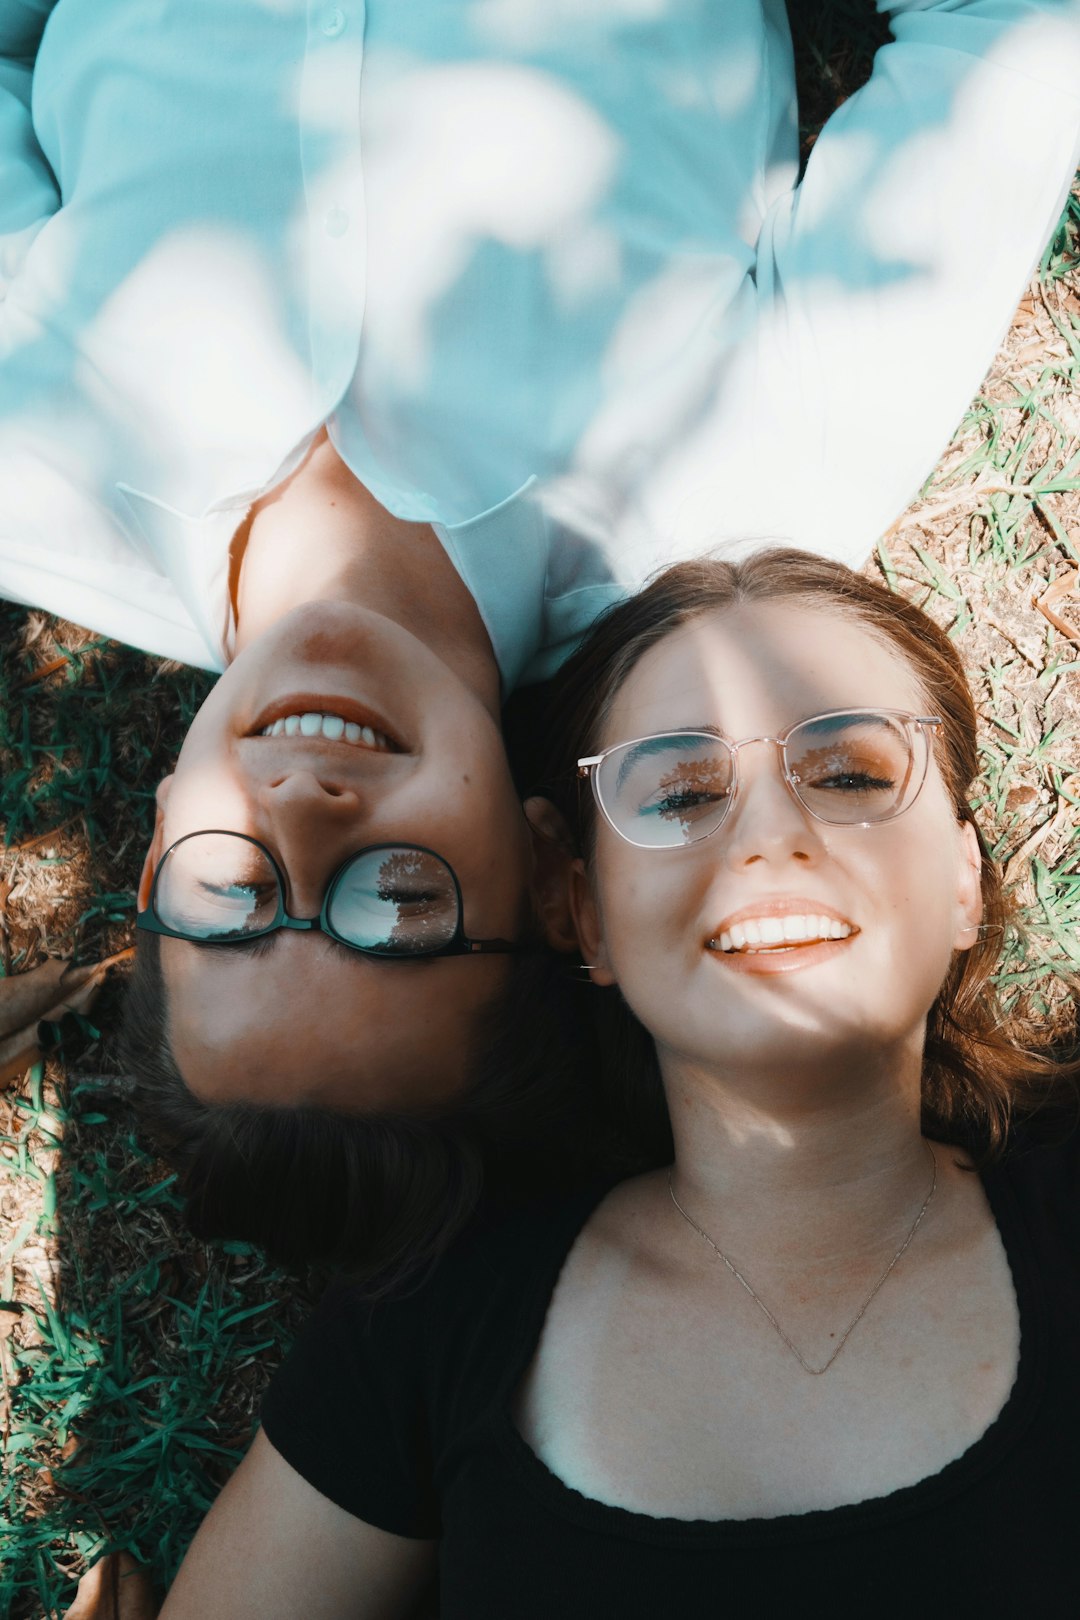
point(984, 1454)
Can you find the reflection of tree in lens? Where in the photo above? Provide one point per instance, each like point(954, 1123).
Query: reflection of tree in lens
point(691, 790)
point(420, 889)
point(216, 885)
point(854, 771)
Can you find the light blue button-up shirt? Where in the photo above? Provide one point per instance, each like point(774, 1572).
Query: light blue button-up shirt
point(541, 266)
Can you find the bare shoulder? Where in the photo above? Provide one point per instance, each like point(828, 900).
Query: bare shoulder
point(624, 1214)
point(273, 1546)
point(963, 1215)
point(616, 1242)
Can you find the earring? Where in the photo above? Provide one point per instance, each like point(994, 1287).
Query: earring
point(983, 928)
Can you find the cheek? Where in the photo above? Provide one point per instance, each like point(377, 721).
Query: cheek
point(475, 811)
point(219, 712)
point(204, 756)
point(466, 776)
point(205, 794)
point(916, 905)
point(646, 920)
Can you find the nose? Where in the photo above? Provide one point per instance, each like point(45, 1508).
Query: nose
point(767, 822)
point(313, 823)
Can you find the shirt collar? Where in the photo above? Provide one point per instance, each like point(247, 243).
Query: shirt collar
point(502, 558)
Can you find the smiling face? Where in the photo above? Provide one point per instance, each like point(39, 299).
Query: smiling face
point(297, 1017)
point(872, 915)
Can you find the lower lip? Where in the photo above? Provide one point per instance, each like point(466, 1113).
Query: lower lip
point(782, 961)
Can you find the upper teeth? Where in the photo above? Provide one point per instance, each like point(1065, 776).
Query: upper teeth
point(757, 931)
point(327, 725)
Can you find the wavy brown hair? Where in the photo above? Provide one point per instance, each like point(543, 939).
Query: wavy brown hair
point(980, 1061)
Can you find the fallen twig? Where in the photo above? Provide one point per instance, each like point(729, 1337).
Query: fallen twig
point(1064, 585)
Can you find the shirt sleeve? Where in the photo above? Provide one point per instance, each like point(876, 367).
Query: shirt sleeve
point(885, 281)
point(347, 1410)
point(28, 189)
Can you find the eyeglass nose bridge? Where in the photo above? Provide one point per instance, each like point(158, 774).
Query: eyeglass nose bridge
point(746, 741)
point(790, 778)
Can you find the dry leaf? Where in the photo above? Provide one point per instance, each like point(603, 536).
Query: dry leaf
point(116, 1588)
point(44, 994)
point(1064, 585)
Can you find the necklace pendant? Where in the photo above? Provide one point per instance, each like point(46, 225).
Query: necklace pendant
point(815, 1372)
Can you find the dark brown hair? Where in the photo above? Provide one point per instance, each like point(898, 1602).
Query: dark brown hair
point(377, 1195)
point(979, 1061)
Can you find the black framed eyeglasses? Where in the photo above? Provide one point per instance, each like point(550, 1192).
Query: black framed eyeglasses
point(394, 901)
point(848, 767)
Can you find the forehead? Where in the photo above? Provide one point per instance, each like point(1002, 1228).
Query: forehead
point(761, 666)
point(308, 1023)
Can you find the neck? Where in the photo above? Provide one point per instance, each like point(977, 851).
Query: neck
point(320, 535)
point(819, 1168)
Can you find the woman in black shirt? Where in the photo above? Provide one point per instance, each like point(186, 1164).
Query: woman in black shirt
point(822, 1360)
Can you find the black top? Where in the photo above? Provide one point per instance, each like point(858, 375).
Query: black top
point(400, 1413)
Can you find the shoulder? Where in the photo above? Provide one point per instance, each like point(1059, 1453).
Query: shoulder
point(503, 1260)
point(374, 1391)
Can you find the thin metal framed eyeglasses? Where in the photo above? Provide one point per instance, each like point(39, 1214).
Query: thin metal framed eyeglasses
point(398, 902)
point(846, 767)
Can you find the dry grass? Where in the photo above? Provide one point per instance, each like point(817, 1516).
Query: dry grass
point(992, 551)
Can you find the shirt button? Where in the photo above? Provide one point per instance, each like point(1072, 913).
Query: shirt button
point(333, 23)
point(336, 222)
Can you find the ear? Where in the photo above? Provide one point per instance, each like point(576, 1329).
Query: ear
point(157, 845)
point(969, 889)
point(553, 853)
point(587, 926)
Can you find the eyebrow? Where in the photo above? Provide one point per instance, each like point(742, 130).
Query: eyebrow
point(836, 722)
point(262, 946)
point(866, 724)
point(658, 745)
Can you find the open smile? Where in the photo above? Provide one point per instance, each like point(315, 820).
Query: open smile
point(780, 933)
point(330, 719)
point(334, 727)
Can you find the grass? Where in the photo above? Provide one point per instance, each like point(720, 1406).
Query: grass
point(134, 1358)
point(996, 525)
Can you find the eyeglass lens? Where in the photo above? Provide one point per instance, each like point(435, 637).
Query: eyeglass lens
point(401, 901)
point(846, 769)
point(396, 900)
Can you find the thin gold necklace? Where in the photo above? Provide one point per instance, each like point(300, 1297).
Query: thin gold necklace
point(860, 1313)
